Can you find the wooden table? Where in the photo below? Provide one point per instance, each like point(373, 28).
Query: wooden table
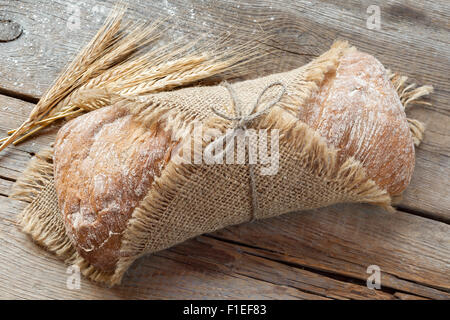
point(319, 254)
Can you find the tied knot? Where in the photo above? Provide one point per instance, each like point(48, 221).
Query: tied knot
point(241, 119)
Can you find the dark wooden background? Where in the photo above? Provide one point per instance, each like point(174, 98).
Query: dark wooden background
point(319, 254)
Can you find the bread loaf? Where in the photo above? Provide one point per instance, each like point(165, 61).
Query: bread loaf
point(358, 111)
point(106, 160)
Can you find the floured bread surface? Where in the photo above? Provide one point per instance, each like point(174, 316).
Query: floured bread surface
point(357, 110)
point(105, 163)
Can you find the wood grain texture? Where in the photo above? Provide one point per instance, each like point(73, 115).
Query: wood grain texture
point(278, 259)
point(318, 254)
point(28, 272)
point(346, 239)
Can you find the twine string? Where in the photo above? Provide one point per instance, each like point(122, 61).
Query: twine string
point(241, 122)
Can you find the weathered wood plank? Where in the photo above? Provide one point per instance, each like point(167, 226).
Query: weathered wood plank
point(293, 266)
point(28, 272)
point(346, 239)
point(5, 186)
point(404, 296)
point(14, 159)
point(12, 113)
point(413, 40)
point(303, 29)
point(230, 258)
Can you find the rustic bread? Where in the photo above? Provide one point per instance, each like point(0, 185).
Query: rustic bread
point(358, 111)
point(105, 161)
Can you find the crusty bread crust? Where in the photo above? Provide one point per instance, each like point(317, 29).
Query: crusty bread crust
point(357, 110)
point(105, 162)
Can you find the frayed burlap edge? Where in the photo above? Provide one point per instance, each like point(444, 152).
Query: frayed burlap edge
point(34, 178)
point(46, 227)
point(410, 94)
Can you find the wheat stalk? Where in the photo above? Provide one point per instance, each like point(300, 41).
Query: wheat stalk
point(65, 83)
point(114, 66)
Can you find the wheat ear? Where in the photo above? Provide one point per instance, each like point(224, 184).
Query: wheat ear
point(114, 66)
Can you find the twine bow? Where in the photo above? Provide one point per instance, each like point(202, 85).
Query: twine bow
point(241, 119)
point(241, 122)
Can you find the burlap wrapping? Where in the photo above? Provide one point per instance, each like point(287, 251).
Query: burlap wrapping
point(191, 199)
